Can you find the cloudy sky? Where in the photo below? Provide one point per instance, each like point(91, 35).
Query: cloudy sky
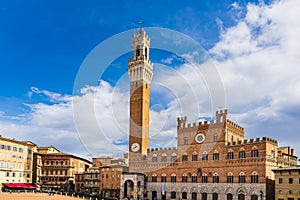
point(64, 80)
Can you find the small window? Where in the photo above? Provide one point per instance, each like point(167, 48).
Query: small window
point(21, 150)
point(204, 178)
point(204, 156)
point(242, 154)
point(154, 158)
point(173, 158)
point(163, 178)
point(138, 51)
point(230, 156)
point(254, 178)
point(185, 141)
point(254, 153)
point(184, 158)
point(242, 178)
point(173, 178)
point(146, 52)
point(290, 180)
point(184, 178)
point(15, 149)
point(194, 178)
point(280, 181)
point(215, 178)
point(154, 178)
point(216, 156)
point(194, 157)
point(230, 179)
point(215, 138)
point(164, 158)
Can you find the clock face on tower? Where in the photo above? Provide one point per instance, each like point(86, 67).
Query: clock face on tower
point(135, 147)
point(199, 138)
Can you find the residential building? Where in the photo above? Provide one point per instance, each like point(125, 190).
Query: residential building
point(56, 170)
point(287, 183)
point(79, 183)
point(102, 179)
point(16, 161)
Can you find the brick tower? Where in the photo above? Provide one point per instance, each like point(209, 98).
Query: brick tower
point(140, 71)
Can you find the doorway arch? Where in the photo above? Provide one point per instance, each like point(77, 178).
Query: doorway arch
point(128, 188)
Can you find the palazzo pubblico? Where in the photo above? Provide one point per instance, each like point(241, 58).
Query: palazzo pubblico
point(212, 160)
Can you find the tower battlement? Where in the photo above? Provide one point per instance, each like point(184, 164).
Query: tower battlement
point(231, 123)
point(221, 117)
point(252, 141)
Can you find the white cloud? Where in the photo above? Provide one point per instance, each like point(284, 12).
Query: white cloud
point(258, 61)
point(98, 119)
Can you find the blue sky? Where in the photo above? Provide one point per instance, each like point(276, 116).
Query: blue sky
point(44, 43)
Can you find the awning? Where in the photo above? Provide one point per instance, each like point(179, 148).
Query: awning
point(20, 185)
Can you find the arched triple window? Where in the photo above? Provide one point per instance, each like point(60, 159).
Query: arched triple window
point(194, 178)
point(185, 157)
point(242, 153)
point(254, 152)
point(154, 158)
point(204, 155)
point(173, 157)
point(242, 177)
point(173, 178)
point(215, 178)
point(216, 155)
point(154, 178)
point(163, 178)
point(195, 156)
point(230, 155)
point(184, 178)
point(204, 178)
point(254, 177)
point(230, 177)
point(164, 158)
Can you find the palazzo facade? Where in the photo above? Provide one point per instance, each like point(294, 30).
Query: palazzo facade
point(212, 160)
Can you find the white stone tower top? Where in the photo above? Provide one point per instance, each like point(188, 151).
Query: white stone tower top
point(140, 67)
